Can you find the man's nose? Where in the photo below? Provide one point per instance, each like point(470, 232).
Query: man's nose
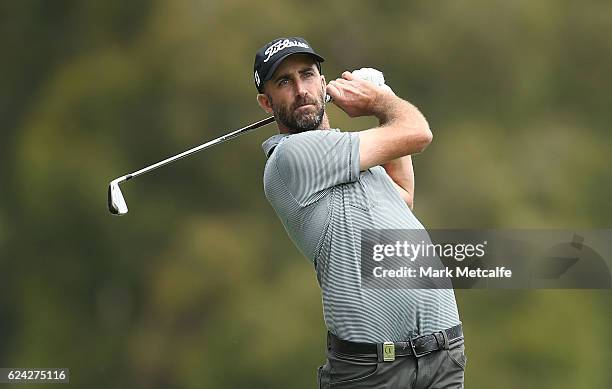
point(300, 88)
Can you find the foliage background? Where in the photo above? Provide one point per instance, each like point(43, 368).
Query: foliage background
point(517, 94)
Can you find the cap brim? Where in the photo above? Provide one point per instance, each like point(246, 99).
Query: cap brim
point(281, 59)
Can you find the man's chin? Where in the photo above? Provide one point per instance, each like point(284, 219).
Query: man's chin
point(302, 122)
point(308, 122)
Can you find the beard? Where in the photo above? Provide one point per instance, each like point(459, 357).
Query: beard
point(296, 121)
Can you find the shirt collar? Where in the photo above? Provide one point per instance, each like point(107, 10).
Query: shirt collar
point(273, 141)
point(269, 144)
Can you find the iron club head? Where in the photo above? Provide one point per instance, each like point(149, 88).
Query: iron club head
point(116, 202)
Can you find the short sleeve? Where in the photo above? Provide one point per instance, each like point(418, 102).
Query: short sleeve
point(313, 161)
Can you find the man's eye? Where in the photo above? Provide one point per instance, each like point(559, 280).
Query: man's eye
point(309, 74)
point(283, 82)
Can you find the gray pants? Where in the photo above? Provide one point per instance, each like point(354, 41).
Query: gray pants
point(440, 369)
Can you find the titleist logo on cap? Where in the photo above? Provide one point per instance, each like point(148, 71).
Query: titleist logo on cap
point(281, 45)
point(270, 56)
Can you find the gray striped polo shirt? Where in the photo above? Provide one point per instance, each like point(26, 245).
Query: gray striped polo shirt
point(313, 182)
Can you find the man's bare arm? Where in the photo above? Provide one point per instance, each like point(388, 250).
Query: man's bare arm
point(403, 130)
point(401, 172)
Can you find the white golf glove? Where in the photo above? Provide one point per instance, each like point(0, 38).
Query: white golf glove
point(370, 74)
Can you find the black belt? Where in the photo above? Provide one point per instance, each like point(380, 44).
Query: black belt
point(387, 351)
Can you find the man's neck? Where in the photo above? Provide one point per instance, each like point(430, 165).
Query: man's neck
point(324, 125)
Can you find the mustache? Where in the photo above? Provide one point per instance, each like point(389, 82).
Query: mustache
point(304, 101)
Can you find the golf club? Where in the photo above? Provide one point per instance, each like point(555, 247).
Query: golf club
point(116, 201)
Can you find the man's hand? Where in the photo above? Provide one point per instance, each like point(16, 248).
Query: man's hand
point(358, 97)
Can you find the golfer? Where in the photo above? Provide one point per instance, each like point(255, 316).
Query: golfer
point(325, 186)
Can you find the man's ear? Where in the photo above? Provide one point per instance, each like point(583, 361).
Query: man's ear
point(264, 103)
point(324, 83)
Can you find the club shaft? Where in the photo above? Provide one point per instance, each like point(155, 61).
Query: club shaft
point(213, 142)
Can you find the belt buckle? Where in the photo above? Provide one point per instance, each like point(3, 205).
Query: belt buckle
point(411, 342)
point(388, 351)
